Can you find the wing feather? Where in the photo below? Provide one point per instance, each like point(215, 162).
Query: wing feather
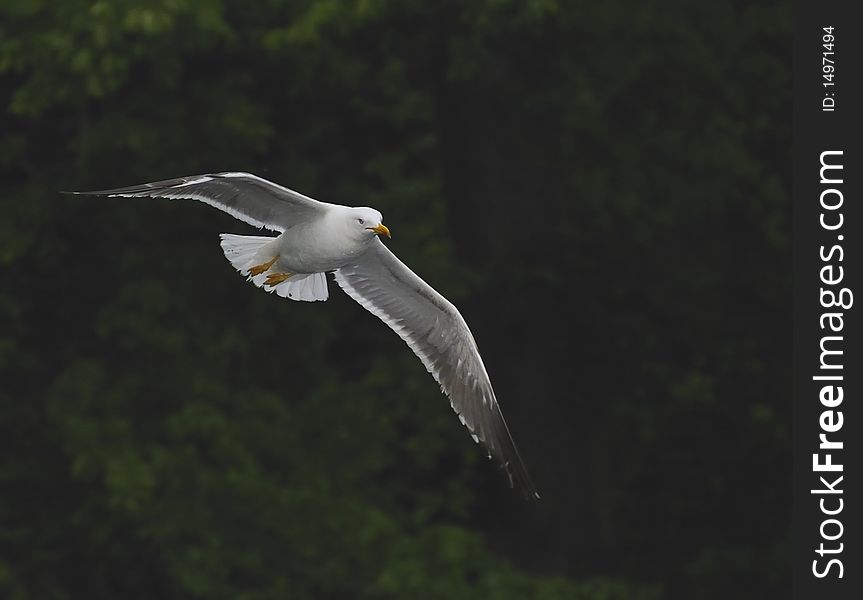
point(244, 196)
point(439, 336)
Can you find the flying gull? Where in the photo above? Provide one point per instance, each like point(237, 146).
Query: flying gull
point(316, 238)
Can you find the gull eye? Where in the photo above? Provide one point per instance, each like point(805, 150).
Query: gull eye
point(361, 222)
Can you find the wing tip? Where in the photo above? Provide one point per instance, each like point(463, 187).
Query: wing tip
point(520, 478)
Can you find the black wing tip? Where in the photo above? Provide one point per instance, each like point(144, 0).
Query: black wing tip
point(521, 480)
point(96, 193)
point(530, 494)
point(114, 192)
point(101, 192)
point(86, 193)
point(147, 189)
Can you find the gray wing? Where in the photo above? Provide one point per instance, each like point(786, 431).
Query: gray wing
point(244, 196)
point(439, 336)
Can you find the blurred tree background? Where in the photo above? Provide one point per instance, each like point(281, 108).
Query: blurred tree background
point(602, 188)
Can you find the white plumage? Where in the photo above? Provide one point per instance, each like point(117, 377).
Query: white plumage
point(244, 252)
point(317, 237)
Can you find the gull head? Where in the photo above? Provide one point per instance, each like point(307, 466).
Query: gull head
point(367, 222)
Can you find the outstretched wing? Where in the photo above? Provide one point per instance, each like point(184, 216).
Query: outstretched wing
point(439, 336)
point(244, 196)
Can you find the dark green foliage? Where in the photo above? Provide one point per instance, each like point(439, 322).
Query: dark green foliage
point(602, 188)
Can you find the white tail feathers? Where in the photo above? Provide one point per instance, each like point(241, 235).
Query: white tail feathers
point(306, 286)
point(242, 250)
point(246, 251)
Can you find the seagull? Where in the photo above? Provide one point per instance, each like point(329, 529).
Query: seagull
point(315, 238)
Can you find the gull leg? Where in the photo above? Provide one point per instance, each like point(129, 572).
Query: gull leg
point(258, 269)
point(274, 279)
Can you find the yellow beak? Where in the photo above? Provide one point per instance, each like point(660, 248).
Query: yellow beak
point(381, 230)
